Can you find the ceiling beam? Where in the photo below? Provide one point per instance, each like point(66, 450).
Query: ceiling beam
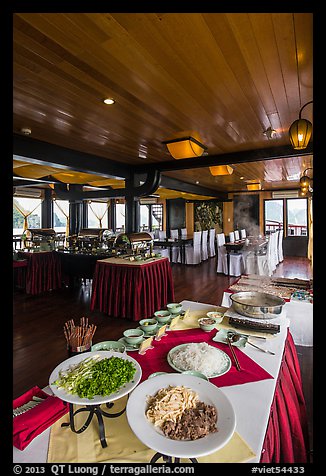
point(174, 184)
point(270, 153)
point(43, 153)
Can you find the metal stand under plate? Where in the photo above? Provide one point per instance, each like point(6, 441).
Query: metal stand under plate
point(93, 410)
point(169, 459)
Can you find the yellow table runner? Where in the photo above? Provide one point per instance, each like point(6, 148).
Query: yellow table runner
point(123, 446)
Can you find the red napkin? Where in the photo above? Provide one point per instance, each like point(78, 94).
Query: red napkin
point(33, 422)
point(155, 360)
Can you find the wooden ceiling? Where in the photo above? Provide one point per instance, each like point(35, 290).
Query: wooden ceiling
point(228, 76)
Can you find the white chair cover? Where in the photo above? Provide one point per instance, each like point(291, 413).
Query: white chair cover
point(193, 252)
point(280, 246)
point(265, 263)
point(250, 264)
point(204, 245)
point(183, 231)
point(236, 267)
point(236, 235)
point(231, 236)
point(222, 262)
point(162, 235)
point(243, 234)
point(175, 249)
point(211, 243)
point(165, 252)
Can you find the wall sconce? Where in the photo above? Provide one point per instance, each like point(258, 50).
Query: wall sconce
point(300, 131)
point(253, 186)
point(306, 183)
point(185, 146)
point(221, 170)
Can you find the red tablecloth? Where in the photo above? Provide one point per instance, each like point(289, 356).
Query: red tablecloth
point(155, 360)
point(287, 438)
point(132, 292)
point(43, 272)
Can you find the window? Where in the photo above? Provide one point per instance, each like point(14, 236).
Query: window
point(296, 216)
point(151, 217)
point(60, 215)
point(26, 208)
point(273, 215)
point(120, 218)
point(97, 214)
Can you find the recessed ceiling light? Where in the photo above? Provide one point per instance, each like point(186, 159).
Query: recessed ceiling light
point(241, 178)
point(197, 182)
point(108, 101)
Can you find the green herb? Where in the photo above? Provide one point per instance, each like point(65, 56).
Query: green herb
point(96, 377)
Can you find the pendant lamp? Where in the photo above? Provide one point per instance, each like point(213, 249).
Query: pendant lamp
point(221, 170)
point(185, 145)
point(300, 131)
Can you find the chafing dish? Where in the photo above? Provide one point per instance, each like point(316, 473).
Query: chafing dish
point(40, 238)
point(257, 305)
point(90, 238)
point(134, 242)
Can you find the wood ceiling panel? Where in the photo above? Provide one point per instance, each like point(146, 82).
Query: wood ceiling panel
point(228, 76)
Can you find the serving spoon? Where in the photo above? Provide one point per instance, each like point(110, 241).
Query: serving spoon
point(235, 337)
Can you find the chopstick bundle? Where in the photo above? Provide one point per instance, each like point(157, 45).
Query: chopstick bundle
point(79, 336)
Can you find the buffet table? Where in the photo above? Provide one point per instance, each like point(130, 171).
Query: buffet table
point(132, 289)
point(43, 271)
point(76, 265)
point(271, 425)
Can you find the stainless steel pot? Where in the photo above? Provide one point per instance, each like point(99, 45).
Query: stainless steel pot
point(257, 305)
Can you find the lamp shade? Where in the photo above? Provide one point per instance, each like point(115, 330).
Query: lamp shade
point(221, 170)
point(185, 145)
point(305, 181)
point(300, 133)
point(253, 186)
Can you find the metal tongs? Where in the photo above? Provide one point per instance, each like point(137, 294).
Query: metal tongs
point(27, 406)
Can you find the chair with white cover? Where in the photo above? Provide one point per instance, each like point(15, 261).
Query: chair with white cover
point(280, 247)
point(231, 237)
point(243, 234)
point(174, 234)
point(236, 235)
point(211, 243)
point(193, 252)
point(204, 245)
point(236, 267)
point(183, 232)
point(161, 234)
point(265, 263)
point(222, 261)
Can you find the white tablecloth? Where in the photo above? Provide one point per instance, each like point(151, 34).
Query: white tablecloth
point(251, 401)
point(300, 315)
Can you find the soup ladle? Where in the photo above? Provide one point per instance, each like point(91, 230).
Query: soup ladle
point(235, 337)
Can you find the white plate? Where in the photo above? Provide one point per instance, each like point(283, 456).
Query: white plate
point(226, 367)
point(97, 400)
point(153, 438)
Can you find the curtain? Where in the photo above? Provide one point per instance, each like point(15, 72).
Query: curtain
point(99, 217)
point(67, 218)
point(25, 214)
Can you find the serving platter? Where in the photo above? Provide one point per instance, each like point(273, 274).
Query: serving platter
point(224, 369)
point(154, 438)
point(98, 399)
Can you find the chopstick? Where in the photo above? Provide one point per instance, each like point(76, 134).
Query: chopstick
point(235, 358)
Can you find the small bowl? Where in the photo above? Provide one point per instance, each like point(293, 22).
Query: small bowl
point(207, 323)
point(162, 316)
point(174, 307)
point(109, 345)
point(194, 373)
point(133, 336)
point(148, 325)
point(217, 315)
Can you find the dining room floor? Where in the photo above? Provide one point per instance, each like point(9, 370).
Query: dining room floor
point(38, 321)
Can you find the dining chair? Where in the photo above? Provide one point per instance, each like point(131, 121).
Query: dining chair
point(193, 252)
point(222, 261)
point(236, 267)
point(183, 232)
point(243, 234)
point(236, 235)
point(162, 234)
point(265, 261)
point(280, 246)
point(211, 243)
point(231, 237)
point(174, 234)
point(204, 245)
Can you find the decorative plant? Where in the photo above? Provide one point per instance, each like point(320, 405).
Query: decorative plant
point(208, 214)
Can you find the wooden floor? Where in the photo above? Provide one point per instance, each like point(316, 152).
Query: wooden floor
point(39, 343)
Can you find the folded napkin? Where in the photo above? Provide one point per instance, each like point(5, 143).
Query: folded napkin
point(33, 422)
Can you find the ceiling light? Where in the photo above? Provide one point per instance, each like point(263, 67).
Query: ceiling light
point(221, 170)
point(254, 186)
point(300, 131)
point(241, 178)
point(270, 133)
point(185, 145)
point(306, 182)
point(108, 101)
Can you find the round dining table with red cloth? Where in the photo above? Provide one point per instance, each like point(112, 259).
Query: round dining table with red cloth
point(43, 271)
point(131, 291)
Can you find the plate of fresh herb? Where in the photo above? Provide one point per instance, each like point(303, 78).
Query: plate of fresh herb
point(95, 377)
